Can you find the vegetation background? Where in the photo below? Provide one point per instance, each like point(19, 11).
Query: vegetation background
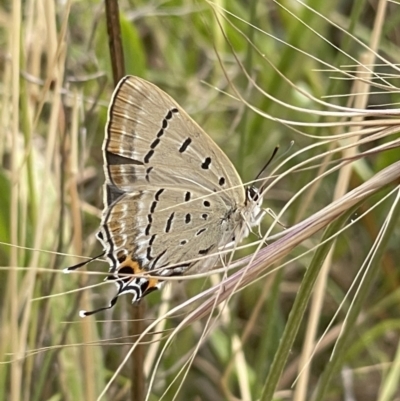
point(270, 340)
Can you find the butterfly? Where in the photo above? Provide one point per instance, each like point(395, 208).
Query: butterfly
point(172, 198)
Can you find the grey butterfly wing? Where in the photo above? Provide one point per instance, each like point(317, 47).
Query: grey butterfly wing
point(166, 230)
point(170, 193)
point(150, 139)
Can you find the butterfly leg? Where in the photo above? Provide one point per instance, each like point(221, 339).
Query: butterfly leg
point(274, 216)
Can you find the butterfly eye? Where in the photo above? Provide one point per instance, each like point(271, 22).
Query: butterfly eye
point(253, 194)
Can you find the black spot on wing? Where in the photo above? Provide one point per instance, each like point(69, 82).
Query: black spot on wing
point(201, 231)
point(158, 193)
point(169, 222)
point(222, 181)
point(156, 199)
point(155, 143)
point(148, 156)
point(153, 206)
point(185, 145)
point(148, 227)
point(206, 163)
point(148, 253)
point(124, 272)
point(187, 196)
point(153, 237)
point(205, 251)
point(114, 159)
point(148, 171)
point(154, 262)
point(144, 287)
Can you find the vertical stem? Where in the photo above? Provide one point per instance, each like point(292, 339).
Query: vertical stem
point(16, 365)
point(137, 327)
point(118, 68)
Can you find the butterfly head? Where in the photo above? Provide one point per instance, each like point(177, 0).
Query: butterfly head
point(254, 202)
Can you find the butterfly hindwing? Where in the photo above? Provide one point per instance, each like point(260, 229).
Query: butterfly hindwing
point(169, 229)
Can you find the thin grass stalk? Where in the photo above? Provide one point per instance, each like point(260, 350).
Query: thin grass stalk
point(341, 188)
point(237, 359)
point(184, 371)
point(216, 34)
point(273, 308)
point(16, 364)
point(339, 354)
point(255, 317)
point(88, 328)
point(137, 373)
point(151, 353)
point(5, 98)
point(50, 358)
point(345, 45)
point(29, 368)
point(391, 382)
point(26, 128)
point(299, 308)
point(29, 206)
point(242, 368)
point(248, 62)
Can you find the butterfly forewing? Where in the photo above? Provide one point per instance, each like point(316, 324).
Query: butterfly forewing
point(151, 140)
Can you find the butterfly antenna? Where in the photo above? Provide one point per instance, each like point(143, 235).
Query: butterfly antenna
point(77, 266)
point(270, 160)
point(275, 151)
